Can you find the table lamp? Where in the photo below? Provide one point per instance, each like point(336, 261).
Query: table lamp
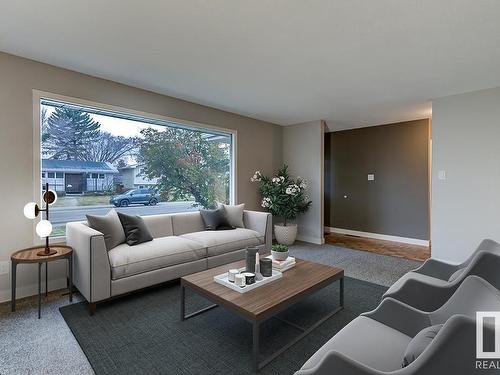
point(44, 227)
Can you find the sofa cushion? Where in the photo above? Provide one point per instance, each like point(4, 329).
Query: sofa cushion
point(224, 241)
point(110, 226)
point(187, 222)
point(162, 252)
point(159, 225)
point(456, 274)
point(215, 219)
point(419, 343)
point(136, 231)
point(360, 340)
point(234, 214)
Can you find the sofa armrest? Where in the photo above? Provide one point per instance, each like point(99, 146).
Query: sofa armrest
point(424, 296)
point(437, 269)
point(91, 268)
point(260, 222)
point(337, 363)
point(400, 317)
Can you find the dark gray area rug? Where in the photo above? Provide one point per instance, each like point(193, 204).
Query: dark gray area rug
point(142, 333)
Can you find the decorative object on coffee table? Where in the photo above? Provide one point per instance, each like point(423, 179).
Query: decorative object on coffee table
point(246, 281)
point(31, 255)
point(44, 227)
point(282, 265)
point(266, 267)
point(240, 280)
point(284, 197)
point(250, 256)
point(231, 274)
point(279, 252)
point(258, 275)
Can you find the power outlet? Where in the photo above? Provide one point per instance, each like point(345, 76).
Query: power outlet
point(4, 267)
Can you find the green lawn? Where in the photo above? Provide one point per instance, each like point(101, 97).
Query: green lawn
point(82, 200)
point(58, 230)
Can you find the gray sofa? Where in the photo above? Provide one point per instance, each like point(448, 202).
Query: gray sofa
point(375, 342)
point(180, 246)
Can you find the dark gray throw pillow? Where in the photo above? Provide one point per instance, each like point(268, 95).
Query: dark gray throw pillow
point(419, 343)
point(135, 228)
point(215, 219)
point(110, 226)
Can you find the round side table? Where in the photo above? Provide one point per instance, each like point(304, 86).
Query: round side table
point(30, 256)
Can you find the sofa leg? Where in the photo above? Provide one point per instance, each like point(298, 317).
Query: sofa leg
point(92, 308)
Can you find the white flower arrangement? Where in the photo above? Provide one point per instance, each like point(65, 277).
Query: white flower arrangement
point(282, 195)
point(257, 176)
point(292, 189)
point(266, 202)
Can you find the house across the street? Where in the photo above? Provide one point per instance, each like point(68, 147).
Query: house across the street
point(132, 176)
point(77, 177)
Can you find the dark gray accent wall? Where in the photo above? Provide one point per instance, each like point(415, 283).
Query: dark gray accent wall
point(396, 203)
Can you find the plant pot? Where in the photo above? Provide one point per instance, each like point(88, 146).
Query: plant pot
point(279, 255)
point(285, 234)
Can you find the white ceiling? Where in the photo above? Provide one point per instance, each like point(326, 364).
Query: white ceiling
point(352, 63)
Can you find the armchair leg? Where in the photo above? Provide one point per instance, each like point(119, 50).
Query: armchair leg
point(92, 308)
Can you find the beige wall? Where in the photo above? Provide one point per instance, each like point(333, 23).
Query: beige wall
point(259, 145)
point(303, 152)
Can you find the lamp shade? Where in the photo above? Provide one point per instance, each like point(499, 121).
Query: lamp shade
point(30, 210)
point(50, 197)
point(44, 228)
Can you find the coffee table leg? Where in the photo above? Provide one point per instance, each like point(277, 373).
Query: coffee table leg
point(341, 292)
point(255, 347)
point(13, 287)
point(183, 302)
point(39, 289)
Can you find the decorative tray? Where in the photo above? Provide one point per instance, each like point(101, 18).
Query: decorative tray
point(222, 279)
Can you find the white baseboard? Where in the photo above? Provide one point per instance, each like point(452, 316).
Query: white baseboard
point(32, 289)
point(411, 241)
point(311, 239)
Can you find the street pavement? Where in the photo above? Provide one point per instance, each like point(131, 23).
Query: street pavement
point(62, 215)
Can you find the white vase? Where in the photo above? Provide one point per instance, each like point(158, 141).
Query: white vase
point(279, 255)
point(285, 234)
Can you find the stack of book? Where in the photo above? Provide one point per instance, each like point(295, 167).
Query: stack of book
point(283, 265)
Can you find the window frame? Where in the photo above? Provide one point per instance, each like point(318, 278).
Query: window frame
point(39, 95)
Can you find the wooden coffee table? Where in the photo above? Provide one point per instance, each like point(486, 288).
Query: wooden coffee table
point(263, 303)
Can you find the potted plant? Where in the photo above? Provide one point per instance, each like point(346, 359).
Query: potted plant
point(279, 252)
point(284, 197)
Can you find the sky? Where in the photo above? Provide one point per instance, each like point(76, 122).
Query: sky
point(117, 126)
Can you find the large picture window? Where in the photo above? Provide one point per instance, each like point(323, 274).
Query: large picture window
point(99, 159)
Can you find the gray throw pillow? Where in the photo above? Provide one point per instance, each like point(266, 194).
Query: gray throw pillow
point(419, 343)
point(110, 226)
point(456, 274)
point(234, 214)
point(135, 228)
point(215, 219)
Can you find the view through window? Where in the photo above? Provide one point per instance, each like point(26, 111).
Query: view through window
point(97, 160)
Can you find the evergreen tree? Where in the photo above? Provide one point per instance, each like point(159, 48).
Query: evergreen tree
point(69, 134)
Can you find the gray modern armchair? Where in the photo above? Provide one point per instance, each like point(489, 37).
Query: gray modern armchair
point(375, 343)
point(430, 293)
point(438, 273)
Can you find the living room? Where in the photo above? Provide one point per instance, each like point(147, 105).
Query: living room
point(226, 187)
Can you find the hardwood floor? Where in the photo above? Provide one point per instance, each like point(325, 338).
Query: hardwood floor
point(396, 249)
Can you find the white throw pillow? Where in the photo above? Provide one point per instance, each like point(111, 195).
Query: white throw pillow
point(234, 214)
